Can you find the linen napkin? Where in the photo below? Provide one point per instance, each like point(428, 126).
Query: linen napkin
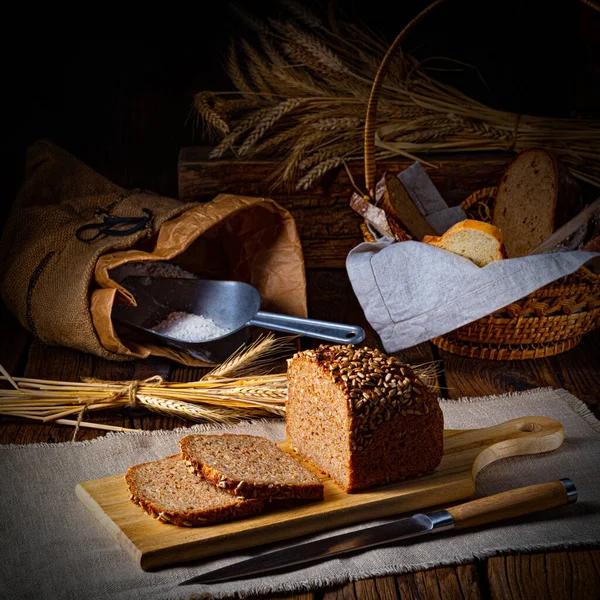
point(411, 292)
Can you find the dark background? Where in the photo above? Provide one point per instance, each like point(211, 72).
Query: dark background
point(121, 105)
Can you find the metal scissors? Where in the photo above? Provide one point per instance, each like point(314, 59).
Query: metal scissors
point(110, 226)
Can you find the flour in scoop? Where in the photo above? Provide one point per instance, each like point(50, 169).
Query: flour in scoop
point(190, 328)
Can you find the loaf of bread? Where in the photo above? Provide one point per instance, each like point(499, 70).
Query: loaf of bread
point(480, 242)
point(250, 466)
point(166, 490)
point(536, 195)
point(362, 417)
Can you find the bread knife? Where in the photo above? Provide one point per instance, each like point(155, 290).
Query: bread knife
point(513, 503)
point(569, 228)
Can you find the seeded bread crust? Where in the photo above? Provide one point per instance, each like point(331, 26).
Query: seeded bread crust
point(226, 508)
point(362, 417)
point(191, 454)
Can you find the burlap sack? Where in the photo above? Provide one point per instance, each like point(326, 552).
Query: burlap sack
point(60, 287)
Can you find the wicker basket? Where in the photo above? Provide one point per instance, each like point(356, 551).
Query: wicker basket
point(548, 321)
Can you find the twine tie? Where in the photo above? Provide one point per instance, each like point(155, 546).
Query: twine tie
point(129, 391)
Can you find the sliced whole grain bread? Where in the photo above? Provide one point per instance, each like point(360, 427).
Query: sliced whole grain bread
point(536, 195)
point(169, 492)
point(480, 242)
point(250, 466)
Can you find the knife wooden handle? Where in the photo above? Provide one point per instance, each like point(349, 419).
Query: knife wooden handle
point(514, 503)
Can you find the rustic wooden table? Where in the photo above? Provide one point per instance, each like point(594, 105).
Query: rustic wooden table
point(543, 575)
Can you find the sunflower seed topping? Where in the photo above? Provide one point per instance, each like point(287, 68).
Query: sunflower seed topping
point(377, 387)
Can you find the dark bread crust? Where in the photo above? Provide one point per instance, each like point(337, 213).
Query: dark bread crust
point(420, 448)
point(229, 511)
point(245, 489)
point(391, 432)
point(250, 489)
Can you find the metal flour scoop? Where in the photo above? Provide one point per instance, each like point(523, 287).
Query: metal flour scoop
point(231, 304)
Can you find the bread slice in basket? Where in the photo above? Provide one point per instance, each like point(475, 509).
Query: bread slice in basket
point(480, 242)
point(166, 490)
point(249, 465)
point(535, 197)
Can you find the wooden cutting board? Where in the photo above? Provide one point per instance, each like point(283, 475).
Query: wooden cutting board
point(153, 544)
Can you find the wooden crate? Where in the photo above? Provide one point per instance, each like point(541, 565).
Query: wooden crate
point(328, 228)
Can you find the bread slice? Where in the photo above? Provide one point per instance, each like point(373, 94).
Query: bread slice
point(478, 241)
point(536, 195)
point(166, 490)
point(250, 466)
point(405, 208)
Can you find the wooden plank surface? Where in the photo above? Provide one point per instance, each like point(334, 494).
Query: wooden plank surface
point(153, 544)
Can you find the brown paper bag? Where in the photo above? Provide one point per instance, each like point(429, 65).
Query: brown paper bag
point(58, 282)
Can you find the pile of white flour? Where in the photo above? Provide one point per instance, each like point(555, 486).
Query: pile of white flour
point(190, 328)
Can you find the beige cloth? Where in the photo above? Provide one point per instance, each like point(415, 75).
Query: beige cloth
point(53, 548)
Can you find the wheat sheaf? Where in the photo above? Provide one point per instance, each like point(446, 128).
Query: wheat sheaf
point(303, 85)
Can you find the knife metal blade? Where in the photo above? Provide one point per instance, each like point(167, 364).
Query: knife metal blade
point(513, 503)
point(417, 525)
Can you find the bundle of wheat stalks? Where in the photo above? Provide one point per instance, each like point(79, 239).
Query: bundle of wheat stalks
point(303, 87)
point(236, 389)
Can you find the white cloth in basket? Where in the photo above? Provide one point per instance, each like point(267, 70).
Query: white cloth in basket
point(411, 292)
